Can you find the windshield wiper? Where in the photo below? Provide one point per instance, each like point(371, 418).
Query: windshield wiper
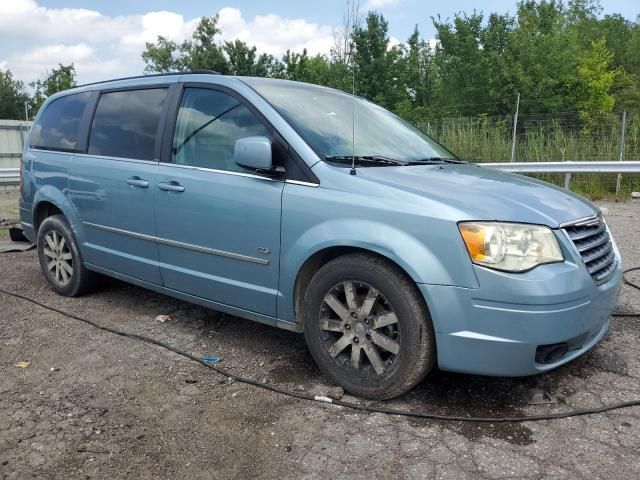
point(380, 161)
point(433, 160)
point(376, 160)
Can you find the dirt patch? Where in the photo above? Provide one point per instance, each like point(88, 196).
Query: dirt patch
point(9, 213)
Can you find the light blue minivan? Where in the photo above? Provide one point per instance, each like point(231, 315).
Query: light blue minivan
point(316, 211)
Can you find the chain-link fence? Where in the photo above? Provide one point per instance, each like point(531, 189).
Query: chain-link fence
point(556, 137)
point(538, 138)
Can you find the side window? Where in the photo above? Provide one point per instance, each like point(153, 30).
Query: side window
point(57, 127)
point(126, 123)
point(208, 125)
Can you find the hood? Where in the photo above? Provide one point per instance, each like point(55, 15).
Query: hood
point(485, 194)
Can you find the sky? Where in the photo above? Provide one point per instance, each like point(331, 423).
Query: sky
point(104, 39)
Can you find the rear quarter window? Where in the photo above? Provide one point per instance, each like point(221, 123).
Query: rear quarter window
point(126, 123)
point(58, 125)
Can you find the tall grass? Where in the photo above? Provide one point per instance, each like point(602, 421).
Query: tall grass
point(544, 138)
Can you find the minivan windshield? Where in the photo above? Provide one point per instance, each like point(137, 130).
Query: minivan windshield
point(338, 125)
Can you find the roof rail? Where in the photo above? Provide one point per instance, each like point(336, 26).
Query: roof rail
point(188, 72)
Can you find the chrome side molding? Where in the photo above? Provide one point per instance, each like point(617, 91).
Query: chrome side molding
point(175, 243)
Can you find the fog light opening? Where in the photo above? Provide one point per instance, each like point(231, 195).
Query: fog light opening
point(551, 353)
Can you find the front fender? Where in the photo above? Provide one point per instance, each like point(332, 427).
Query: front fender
point(407, 251)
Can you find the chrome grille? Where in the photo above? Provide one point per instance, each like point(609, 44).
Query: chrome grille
point(593, 242)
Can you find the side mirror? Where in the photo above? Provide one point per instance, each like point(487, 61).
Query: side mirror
point(253, 152)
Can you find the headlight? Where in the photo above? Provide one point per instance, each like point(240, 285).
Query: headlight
point(513, 247)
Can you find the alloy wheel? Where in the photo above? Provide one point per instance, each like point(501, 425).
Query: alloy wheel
point(58, 258)
point(359, 328)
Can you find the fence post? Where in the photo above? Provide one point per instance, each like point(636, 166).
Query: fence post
point(515, 126)
point(567, 176)
point(21, 135)
point(622, 129)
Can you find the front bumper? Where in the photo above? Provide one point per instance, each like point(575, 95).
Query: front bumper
point(497, 328)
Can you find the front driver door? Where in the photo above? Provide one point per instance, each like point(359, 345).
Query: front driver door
point(218, 224)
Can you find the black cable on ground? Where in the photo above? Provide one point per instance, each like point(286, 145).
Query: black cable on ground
point(629, 282)
point(354, 406)
point(632, 285)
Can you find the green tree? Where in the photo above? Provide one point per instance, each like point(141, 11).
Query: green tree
point(540, 58)
point(267, 66)
point(496, 41)
point(418, 74)
point(57, 80)
point(241, 58)
point(244, 60)
point(416, 77)
point(12, 97)
point(375, 64)
point(201, 52)
point(160, 57)
point(596, 79)
point(461, 62)
point(623, 41)
point(317, 69)
point(544, 51)
point(294, 65)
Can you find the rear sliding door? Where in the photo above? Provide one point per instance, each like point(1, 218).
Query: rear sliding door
point(111, 185)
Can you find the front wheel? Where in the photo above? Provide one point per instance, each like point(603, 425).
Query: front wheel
point(367, 326)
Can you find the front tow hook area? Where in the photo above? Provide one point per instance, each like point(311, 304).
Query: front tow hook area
point(553, 353)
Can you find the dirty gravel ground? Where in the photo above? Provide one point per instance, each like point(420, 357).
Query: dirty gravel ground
point(115, 408)
point(8, 213)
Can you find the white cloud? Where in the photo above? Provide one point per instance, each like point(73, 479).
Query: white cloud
point(34, 39)
point(274, 34)
point(168, 24)
point(379, 4)
point(25, 64)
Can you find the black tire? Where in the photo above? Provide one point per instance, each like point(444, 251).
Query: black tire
point(411, 332)
point(78, 280)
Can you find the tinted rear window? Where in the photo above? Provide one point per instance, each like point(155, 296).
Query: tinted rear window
point(126, 123)
point(57, 127)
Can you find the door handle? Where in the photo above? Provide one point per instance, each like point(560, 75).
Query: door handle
point(171, 186)
point(137, 182)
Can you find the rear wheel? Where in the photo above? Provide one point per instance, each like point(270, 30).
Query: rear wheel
point(60, 258)
point(368, 327)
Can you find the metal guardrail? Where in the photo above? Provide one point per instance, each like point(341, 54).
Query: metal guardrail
point(11, 176)
point(599, 166)
point(569, 167)
point(9, 172)
point(19, 126)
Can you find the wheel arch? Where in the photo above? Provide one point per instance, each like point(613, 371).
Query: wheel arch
point(305, 251)
point(321, 258)
point(50, 201)
point(44, 209)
